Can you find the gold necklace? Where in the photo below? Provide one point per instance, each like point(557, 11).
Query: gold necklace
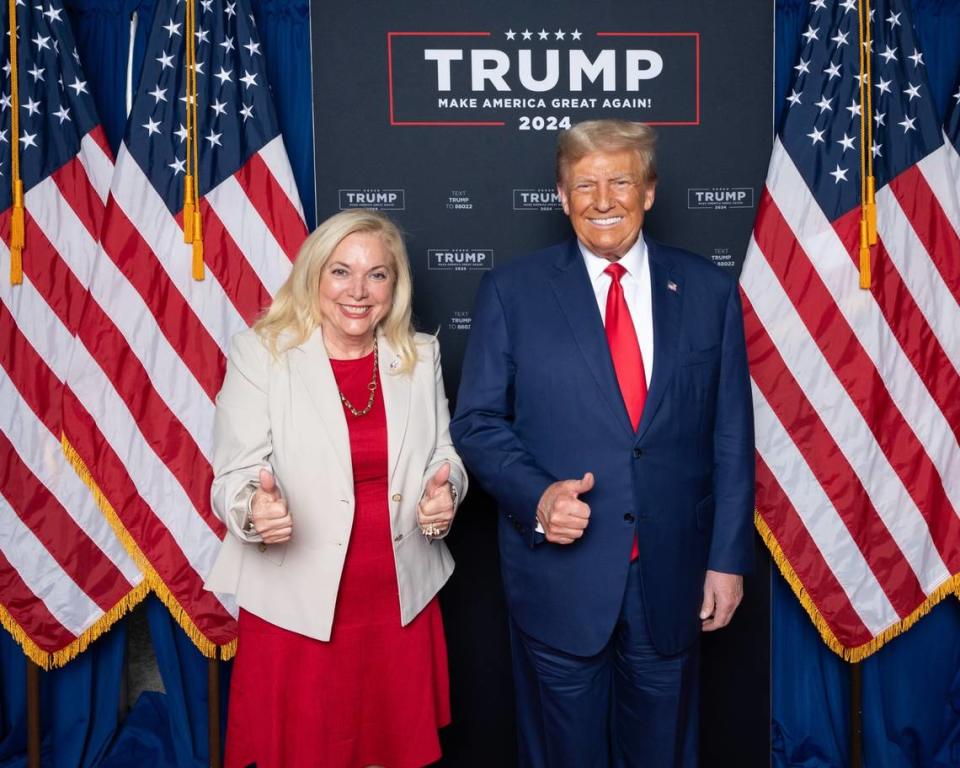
point(372, 386)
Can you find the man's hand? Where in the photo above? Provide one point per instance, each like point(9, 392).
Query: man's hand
point(268, 511)
point(722, 593)
point(435, 511)
point(562, 515)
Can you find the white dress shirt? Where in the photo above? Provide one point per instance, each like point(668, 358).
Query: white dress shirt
point(636, 292)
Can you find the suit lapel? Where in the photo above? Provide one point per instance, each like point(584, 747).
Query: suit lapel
point(578, 302)
point(667, 297)
point(396, 401)
point(311, 363)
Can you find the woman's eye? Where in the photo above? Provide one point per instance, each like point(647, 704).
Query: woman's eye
point(379, 276)
point(338, 272)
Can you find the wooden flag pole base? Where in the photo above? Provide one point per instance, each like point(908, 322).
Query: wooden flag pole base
point(856, 717)
point(213, 709)
point(33, 714)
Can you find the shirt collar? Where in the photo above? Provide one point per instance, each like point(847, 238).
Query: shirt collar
point(633, 260)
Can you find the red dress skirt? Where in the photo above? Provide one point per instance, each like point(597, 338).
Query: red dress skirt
point(377, 692)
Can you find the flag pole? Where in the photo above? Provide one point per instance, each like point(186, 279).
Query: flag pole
point(33, 714)
point(856, 716)
point(213, 708)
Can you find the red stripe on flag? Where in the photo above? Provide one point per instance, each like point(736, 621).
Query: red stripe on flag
point(36, 384)
point(161, 429)
point(830, 467)
point(29, 612)
point(142, 523)
point(273, 205)
point(230, 267)
point(74, 184)
point(79, 557)
point(100, 137)
point(926, 215)
point(804, 556)
point(175, 317)
point(860, 378)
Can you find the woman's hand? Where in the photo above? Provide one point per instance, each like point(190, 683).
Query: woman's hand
point(269, 513)
point(435, 511)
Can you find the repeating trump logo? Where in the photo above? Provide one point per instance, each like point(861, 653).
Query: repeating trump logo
point(380, 199)
point(720, 198)
point(538, 80)
point(460, 259)
point(543, 199)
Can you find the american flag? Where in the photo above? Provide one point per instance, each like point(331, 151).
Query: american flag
point(138, 409)
point(64, 575)
point(855, 391)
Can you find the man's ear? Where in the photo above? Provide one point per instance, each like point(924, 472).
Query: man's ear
point(563, 199)
point(649, 194)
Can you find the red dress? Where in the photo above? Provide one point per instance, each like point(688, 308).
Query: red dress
point(377, 692)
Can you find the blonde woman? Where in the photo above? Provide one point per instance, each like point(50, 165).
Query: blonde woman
point(337, 480)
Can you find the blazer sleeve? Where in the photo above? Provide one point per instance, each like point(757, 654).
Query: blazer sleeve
point(731, 549)
point(483, 425)
point(444, 450)
point(242, 443)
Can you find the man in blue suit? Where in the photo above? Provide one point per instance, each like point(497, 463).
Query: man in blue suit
point(605, 404)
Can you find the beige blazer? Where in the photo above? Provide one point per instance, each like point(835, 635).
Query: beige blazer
point(285, 414)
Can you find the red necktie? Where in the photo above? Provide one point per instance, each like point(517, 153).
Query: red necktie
point(625, 351)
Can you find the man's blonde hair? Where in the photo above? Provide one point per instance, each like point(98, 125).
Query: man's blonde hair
point(607, 136)
point(294, 313)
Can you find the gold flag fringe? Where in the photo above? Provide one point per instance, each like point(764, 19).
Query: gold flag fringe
point(860, 652)
point(48, 660)
point(151, 578)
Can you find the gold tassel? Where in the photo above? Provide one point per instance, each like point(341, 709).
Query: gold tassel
point(198, 270)
point(188, 209)
point(864, 254)
point(871, 211)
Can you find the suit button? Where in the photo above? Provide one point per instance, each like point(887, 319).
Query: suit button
point(637, 453)
point(629, 517)
point(396, 497)
point(262, 547)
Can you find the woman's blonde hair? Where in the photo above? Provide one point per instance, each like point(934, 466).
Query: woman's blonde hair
point(294, 313)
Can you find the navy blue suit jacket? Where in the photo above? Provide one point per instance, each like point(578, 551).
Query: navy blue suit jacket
point(539, 402)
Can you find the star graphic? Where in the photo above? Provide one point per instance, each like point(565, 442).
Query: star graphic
point(840, 174)
point(803, 66)
point(908, 124)
point(833, 71)
point(37, 73)
point(220, 107)
point(63, 113)
point(957, 95)
point(207, 4)
point(41, 41)
point(230, 10)
point(7, 68)
point(248, 79)
point(811, 33)
point(893, 19)
point(846, 142)
point(510, 34)
point(560, 34)
point(849, 5)
point(3, 137)
point(840, 38)
point(794, 98)
point(227, 44)
point(576, 34)
point(884, 85)
point(182, 133)
point(526, 34)
point(178, 166)
point(5, 102)
point(819, 4)
point(876, 150)
point(214, 139)
point(543, 34)
point(889, 54)
point(28, 140)
point(33, 107)
point(824, 104)
point(253, 47)
point(816, 136)
point(913, 92)
point(247, 111)
point(166, 60)
point(854, 109)
point(199, 67)
point(159, 94)
point(172, 29)
point(880, 118)
point(917, 58)
point(862, 77)
point(53, 14)
point(201, 35)
point(224, 75)
point(152, 126)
